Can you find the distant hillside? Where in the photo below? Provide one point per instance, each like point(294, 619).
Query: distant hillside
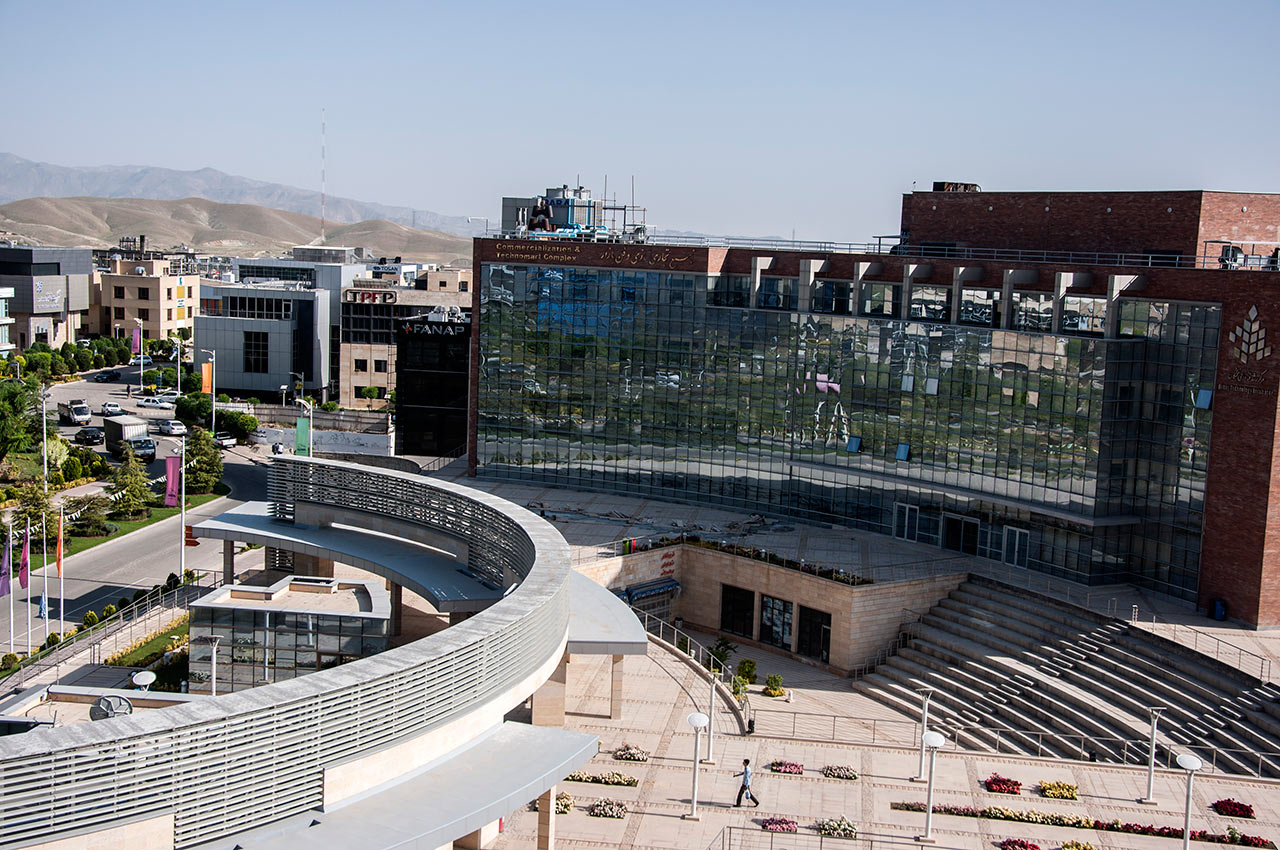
point(22, 178)
point(213, 228)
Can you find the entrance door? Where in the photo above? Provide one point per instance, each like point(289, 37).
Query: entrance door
point(1017, 544)
point(960, 534)
point(813, 637)
point(906, 521)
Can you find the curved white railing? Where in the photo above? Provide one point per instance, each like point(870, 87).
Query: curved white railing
point(236, 761)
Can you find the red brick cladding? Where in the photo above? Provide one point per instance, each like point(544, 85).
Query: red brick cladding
point(1080, 221)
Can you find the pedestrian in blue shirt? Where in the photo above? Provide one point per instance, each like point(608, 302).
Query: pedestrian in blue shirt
point(746, 785)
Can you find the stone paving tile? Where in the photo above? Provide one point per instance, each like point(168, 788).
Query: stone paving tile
point(659, 691)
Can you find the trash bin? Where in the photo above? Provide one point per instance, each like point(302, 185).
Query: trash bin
point(1218, 609)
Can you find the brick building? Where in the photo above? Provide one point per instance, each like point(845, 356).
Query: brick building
point(1074, 383)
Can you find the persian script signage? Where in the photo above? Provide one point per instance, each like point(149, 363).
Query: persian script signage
point(594, 254)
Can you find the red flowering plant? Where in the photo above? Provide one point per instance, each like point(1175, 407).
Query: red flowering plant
point(998, 784)
point(1018, 844)
point(1233, 808)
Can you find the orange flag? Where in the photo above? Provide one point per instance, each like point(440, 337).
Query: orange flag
point(206, 377)
point(59, 544)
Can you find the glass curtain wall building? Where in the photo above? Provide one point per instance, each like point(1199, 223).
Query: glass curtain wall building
point(1062, 452)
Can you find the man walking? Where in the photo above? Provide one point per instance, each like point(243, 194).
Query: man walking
point(746, 785)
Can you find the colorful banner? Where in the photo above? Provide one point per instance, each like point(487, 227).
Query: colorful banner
point(7, 566)
point(172, 480)
point(24, 565)
point(137, 340)
point(206, 377)
point(302, 437)
point(59, 544)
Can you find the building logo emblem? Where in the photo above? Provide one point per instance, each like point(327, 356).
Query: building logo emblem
point(1250, 339)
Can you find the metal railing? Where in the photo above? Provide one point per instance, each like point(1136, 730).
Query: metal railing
point(754, 838)
point(237, 761)
point(1206, 644)
point(443, 460)
point(703, 658)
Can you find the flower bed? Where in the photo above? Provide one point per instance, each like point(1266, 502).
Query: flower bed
point(839, 771)
point(998, 784)
point(607, 809)
point(564, 803)
point(779, 825)
point(629, 753)
point(780, 766)
point(1059, 790)
point(840, 827)
point(1017, 844)
point(1233, 808)
point(1082, 822)
point(1077, 845)
point(613, 777)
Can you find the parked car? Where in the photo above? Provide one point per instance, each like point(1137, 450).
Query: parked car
point(154, 403)
point(91, 436)
point(172, 427)
point(169, 395)
point(224, 440)
point(112, 408)
point(107, 376)
point(146, 361)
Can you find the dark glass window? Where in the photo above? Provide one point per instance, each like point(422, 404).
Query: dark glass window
point(255, 352)
point(775, 622)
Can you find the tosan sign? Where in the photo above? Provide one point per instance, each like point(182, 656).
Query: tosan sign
point(365, 296)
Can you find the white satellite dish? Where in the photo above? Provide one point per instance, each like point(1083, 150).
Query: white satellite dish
point(143, 679)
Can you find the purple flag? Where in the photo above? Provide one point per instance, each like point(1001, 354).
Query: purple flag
point(6, 567)
point(172, 471)
point(137, 340)
point(23, 565)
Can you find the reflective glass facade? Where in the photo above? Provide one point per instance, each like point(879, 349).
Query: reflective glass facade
point(1067, 453)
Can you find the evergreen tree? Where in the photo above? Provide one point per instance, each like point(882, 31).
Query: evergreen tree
point(204, 462)
point(130, 487)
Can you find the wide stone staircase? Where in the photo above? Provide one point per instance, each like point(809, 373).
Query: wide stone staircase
point(1018, 672)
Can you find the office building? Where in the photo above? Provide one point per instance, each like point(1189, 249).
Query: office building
point(266, 336)
point(1074, 383)
point(50, 298)
point(432, 368)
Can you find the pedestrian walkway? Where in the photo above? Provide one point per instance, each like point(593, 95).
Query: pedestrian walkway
point(660, 691)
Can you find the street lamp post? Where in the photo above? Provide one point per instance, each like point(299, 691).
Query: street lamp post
point(1190, 764)
point(1149, 799)
point(698, 721)
point(213, 391)
point(926, 694)
point(141, 355)
point(182, 503)
point(212, 640)
point(932, 742)
point(472, 218)
point(284, 388)
point(44, 434)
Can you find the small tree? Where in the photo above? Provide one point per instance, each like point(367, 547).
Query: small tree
point(71, 469)
point(721, 651)
point(368, 392)
point(90, 619)
point(747, 670)
point(84, 359)
point(52, 640)
point(98, 361)
point(90, 514)
point(130, 487)
point(193, 408)
point(33, 507)
point(9, 661)
point(110, 610)
point(204, 462)
point(329, 406)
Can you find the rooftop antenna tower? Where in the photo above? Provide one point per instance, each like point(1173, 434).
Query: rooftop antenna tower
point(323, 163)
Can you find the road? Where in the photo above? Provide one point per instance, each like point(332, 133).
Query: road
point(117, 568)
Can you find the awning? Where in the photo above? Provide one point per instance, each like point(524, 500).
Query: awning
point(652, 588)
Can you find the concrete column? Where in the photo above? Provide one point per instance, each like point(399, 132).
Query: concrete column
point(547, 819)
point(809, 269)
point(228, 562)
point(758, 265)
point(548, 700)
point(615, 688)
point(1011, 278)
point(479, 839)
point(397, 603)
point(1116, 284)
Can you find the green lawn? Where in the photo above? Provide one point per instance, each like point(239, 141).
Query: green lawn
point(79, 544)
point(26, 465)
point(153, 646)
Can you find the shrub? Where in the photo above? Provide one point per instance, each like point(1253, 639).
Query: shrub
point(1059, 790)
point(840, 827)
point(780, 766)
point(747, 670)
point(779, 825)
point(607, 809)
point(8, 661)
point(629, 753)
point(71, 469)
point(123, 602)
point(739, 686)
point(773, 685)
point(241, 425)
point(1233, 808)
point(329, 407)
point(52, 640)
point(1077, 845)
point(997, 784)
point(109, 611)
point(90, 619)
point(369, 392)
point(564, 803)
point(839, 771)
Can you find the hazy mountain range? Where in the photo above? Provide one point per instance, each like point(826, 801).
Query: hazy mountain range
point(21, 178)
point(212, 228)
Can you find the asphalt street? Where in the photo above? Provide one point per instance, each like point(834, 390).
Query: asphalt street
point(138, 560)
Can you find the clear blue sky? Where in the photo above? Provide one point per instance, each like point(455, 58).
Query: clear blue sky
point(745, 118)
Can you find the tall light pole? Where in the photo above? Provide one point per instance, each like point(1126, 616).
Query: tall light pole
point(1149, 799)
point(44, 434)
point(1190, 764)
point(213, 390)
point(932, 742)
point(182, 507)
point(698, 721)
point(926, 694)
point(141, 355)
point(472, 218)
point(178, 371)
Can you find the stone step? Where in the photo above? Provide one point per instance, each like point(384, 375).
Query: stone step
point(985, 599)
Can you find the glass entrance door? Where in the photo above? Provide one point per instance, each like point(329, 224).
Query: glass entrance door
point(1017, 545)
point(960, 534)
point(906, 521)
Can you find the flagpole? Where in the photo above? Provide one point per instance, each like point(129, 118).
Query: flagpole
point(31, 585)
point(62, 586)
point(44, 571)
point(8, 541)
point(182, 500)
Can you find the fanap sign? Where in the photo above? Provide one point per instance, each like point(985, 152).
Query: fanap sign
point(366, 296)
point(434, 328)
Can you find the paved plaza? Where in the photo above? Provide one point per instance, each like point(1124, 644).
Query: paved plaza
point(661, 690)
